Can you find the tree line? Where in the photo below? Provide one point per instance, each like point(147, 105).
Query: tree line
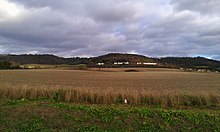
point(8, 65)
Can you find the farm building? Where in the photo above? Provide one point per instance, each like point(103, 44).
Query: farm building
point(152, 64)
point(121, 63)
point(100, 64)
point(146, 63)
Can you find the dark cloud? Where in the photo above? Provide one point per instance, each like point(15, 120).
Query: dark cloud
point(201, 6)
point(112, 10)
point(90, 28)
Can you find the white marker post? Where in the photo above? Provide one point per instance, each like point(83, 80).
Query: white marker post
point(125, 101)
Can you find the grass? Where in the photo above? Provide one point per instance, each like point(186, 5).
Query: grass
point(93, 97)
point(153, 88)
point(47, 115)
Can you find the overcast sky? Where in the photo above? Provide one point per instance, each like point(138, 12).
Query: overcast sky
point(155, 28)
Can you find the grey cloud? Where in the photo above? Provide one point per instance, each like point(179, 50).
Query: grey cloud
point(181, 34)
point(90, 28)
point(108, 11)
point(202, 6)
point(111, 10)
point(74, 7)
point(57, 30)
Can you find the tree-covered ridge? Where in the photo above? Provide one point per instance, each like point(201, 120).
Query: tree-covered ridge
point(8, 65)
point(188, 61)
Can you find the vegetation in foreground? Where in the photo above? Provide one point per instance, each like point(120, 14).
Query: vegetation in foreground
point(49, 115)
point(77, 96)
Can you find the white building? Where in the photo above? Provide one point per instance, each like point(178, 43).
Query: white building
point(150, 64)
point(126, 63)
point(100, 64)
point(121, 63)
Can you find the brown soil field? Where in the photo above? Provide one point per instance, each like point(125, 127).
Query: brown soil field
point(109, 82)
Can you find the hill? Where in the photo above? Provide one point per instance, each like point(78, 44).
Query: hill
point(112, 57)
point(41, 59)
point(108, 60)
point(187, 62)
point(33, 59)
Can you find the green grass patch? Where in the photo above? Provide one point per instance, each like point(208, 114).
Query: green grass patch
point(47, 115)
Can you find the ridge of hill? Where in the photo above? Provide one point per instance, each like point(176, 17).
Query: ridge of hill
point(188, 62)
point(112, 57)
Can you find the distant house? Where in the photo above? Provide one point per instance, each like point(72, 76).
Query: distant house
point(146, 63)
point(150, 64)
point(126, 63)
point(121, 63)
point(201, 70)
point(100, 64)
point(30, 67)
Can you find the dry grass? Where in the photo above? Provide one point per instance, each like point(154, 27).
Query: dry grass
point(168, 88)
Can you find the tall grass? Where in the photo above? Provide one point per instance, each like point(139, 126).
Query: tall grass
point(109, 96)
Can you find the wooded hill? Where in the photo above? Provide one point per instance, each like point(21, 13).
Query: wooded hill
point(109, 59)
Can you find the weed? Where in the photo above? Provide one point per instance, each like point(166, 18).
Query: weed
point(119, 99)
point(54, 116)
point(15, 102)
point(68, 117)
point(34, 124)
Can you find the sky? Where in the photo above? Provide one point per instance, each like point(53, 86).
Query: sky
point(84, 28)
